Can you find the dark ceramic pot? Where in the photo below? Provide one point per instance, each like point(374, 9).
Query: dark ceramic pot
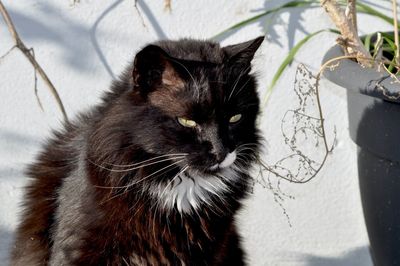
point(374, 124)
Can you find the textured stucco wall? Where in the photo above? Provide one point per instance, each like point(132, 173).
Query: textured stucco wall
point(75, 43)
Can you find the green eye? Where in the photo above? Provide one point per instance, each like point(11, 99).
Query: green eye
point(186, 122)
point(235, 118)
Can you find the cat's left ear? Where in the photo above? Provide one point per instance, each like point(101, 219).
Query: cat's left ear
point(153, 69)
point(242, 53)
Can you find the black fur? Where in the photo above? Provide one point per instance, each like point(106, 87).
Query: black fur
point(82, 208)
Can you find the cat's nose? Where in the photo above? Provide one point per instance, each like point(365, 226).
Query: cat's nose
point(215, 143)
point(220, 155)
point(218, 150)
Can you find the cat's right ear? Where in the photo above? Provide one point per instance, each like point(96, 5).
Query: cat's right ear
point(240, 55)
point(153, 69)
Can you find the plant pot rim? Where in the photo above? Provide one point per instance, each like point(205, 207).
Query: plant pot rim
point(358, 79)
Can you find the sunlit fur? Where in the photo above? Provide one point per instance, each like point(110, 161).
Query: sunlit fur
point(128, 184)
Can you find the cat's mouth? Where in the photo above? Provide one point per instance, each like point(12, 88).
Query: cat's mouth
point(212, 167)
point(228, 161)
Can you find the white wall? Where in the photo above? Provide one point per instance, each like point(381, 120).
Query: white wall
point(326, 215)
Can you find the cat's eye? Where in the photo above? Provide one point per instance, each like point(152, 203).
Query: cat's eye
point(235, 118)
point(186, 122)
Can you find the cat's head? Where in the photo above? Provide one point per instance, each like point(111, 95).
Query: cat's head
point(180, 124)
point(201, 99)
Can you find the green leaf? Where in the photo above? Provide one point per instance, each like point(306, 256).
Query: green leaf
point(391, 43)
point(289, 59)
point(388, 36)
point(392, 65)
point(377, 45)
point(367, 41)
point(291, 4)
point(392, 49)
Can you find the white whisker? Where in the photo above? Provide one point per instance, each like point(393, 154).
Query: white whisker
point(144, 178)
point(237, 81)
point(137, 167)
point(191, 76)
point(157, 157)
point(173, 179)
point(241, 88)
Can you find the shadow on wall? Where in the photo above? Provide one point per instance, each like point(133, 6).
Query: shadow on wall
point(93, 31)
point(15, 143)
point(7, 173)
point(16, 138)
point(294, 23)
point(6, 239)
point(95, 43)
point(69, 39)
point(153, 20)
point(21, 147)
point(357, 257)
point(68, 34)
point(269, 23)
point(74, 36)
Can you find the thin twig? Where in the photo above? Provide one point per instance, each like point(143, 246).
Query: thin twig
point(7, 53)
point(396, 31)
point(21, 46)
point(35, 83)
point(139, 13)
point(74, 2)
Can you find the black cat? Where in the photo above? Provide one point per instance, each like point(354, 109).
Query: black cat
point(154, 175)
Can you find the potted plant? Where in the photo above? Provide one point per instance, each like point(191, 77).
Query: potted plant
point(368, 68)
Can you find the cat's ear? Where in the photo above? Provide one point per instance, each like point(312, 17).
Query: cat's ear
point(241, 54)
point(153, 69)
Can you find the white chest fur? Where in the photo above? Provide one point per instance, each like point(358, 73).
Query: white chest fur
point(187, 191)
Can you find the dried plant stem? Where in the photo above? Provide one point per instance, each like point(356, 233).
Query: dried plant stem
point(35, 84)
point(305, 162)
point(8, 52)
point(396, 31)
point(278, 169)
point(167, 5)
point(21, 46)
point(351, 13)
point(346, 21)
point(139, 13)
point(74, 2)
point(327, 148)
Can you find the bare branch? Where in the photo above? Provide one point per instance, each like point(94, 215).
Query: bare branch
point(351, 43)
point(351, 13)
point(21, 46)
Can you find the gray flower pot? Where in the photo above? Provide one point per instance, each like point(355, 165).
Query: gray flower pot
point(374, 124)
